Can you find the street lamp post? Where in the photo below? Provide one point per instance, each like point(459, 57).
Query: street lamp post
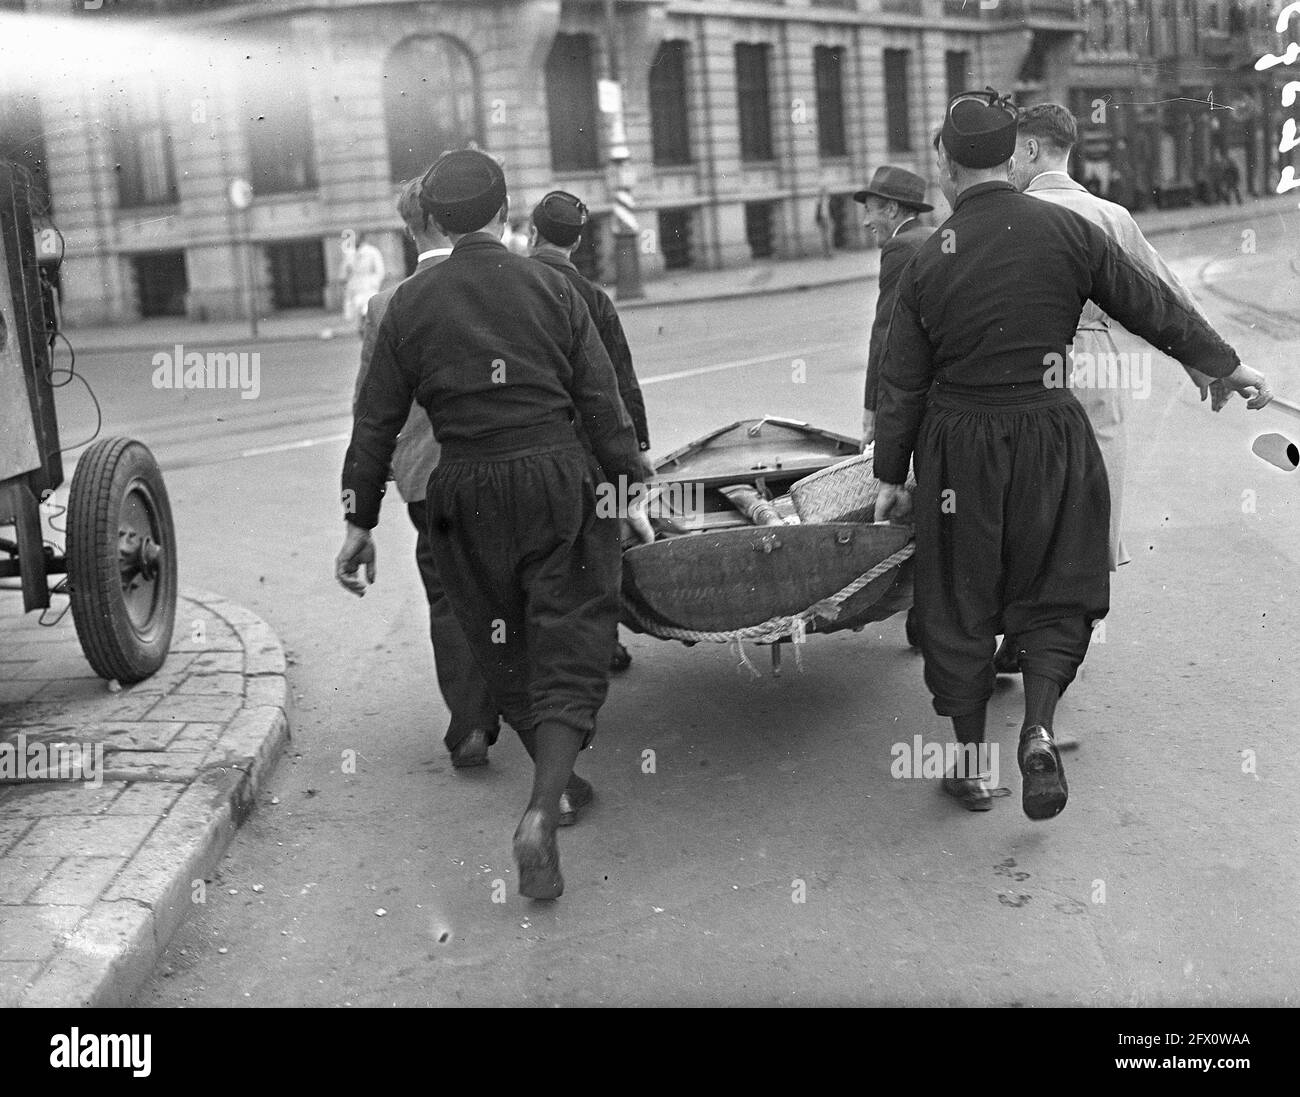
point(241, 197)
point(627, 259)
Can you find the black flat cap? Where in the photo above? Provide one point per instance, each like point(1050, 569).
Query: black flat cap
point(559, 218)
point(463, 190)
point(979, 130)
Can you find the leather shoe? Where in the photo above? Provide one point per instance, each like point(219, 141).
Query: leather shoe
point(1043, 790)
point(971, 792)
point(1006, 660)
point(471, 751)
point(537, 854)
point(574, 799)
point(621, 659)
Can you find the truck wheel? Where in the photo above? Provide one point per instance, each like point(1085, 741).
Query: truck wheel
point(121, 560)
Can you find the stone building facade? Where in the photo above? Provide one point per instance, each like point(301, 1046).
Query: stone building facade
point(1164, 87)
point(742, 116)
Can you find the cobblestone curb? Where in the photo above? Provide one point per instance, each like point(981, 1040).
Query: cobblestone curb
point(95, 880)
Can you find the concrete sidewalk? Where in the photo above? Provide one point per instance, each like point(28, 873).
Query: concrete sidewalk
point(677, 288)
point(96, 875)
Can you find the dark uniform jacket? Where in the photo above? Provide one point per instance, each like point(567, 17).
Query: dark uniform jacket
point(996, 293)
point(895, 254)
point(416, 454)
point(490, 344)
point(610, 329)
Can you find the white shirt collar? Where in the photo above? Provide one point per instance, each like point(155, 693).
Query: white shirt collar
point(1054, 171)
point(900, 227)
point(432, 253)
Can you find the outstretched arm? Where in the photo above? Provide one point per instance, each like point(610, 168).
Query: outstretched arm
point(1148, 307)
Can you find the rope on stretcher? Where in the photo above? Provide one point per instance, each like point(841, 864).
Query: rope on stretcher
point(776, 628)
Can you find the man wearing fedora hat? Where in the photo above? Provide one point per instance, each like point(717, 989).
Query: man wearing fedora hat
point(894, 201)
point(1012, 506)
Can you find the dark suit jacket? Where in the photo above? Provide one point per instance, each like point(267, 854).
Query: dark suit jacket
point(895, 254)
point(610, 329)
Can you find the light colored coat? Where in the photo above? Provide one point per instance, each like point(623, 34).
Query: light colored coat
point(417, 450)
point(1107, 406)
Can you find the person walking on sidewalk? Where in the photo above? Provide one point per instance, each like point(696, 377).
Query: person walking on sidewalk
point(1012, 504)
point(363, 274)
point(1231, 181)
point(502, 355)
point(824, 221)
point(557, 224)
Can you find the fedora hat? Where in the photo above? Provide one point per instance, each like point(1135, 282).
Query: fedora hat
point(897, 185)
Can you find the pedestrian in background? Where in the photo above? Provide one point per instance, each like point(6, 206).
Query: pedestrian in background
point(825, 225)
point(363, 275)
point(1231, 181)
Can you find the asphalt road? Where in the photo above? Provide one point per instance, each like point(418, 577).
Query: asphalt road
point(770, 857)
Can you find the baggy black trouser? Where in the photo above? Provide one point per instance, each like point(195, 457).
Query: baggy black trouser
point(464, 689)
point(1012, 514)
point(532, 575)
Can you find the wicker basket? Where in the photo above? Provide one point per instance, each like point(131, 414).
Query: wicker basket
point(845, 492)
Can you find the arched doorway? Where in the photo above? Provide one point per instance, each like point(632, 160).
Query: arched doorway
point(431, 103)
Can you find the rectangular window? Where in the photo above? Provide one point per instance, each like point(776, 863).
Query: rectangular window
point(143, 146)
point(898, 121)
point(753, 95)
point(957, 73)
point(675, 238)
point(297, 274)
point(281, 157)
point(670, 137)
point(571, 104)
point(161, 283)
point(828, 62)
point(758, 229)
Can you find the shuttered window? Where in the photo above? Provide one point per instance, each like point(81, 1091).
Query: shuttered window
point(670, 136)
point(571, 104)
point(754, 101)
point(898, 120)
point(828, 67)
